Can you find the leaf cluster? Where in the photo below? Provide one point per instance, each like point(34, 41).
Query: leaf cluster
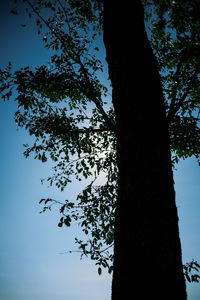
point(62, 105)
point(174, 29)
point(189, 268)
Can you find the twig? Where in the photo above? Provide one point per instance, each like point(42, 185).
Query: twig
point(91, 94)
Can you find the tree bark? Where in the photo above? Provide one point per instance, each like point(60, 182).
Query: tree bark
point(147, 251)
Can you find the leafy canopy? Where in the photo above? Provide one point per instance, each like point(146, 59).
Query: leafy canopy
point(67, 109)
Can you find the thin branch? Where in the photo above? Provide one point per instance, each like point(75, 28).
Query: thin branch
point(91, 93)
point(53, 31)
point(176, 80)
point(71, 251)
point(176, 105)
point(67, 19)
point(89, 130)
point(78, 251)
point(107, 248)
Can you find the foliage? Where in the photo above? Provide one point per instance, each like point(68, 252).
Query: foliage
point(63, 106)
point(175, 39)
point(188, 268)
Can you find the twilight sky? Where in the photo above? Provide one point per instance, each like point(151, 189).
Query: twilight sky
point(31, 267)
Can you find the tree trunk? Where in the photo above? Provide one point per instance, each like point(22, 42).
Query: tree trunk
point(147, 251)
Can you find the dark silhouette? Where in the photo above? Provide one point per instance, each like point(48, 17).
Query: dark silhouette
point(131, 141)
point(147, 251)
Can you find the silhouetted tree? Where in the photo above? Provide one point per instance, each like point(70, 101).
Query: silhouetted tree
point(147, 251)
point(154, 111)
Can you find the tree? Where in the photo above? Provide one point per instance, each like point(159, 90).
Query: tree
point(62, 105)
point(175, 42)
point(146, 222)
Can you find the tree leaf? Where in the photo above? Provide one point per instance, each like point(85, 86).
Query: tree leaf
point(67, 221)
point(14, 11)
point(187, 277)
point(99, 270)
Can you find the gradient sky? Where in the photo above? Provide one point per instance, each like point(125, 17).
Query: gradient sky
point(31, 267)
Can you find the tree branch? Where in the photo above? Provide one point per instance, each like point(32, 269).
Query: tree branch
point(176, 81)
point(89, 130)
point(175, 106)
point(79, 251)
point(92, 93)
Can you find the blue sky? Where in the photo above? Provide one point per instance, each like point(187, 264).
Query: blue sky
point(31, 267)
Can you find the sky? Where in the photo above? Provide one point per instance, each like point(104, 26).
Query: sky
point(31, 266)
